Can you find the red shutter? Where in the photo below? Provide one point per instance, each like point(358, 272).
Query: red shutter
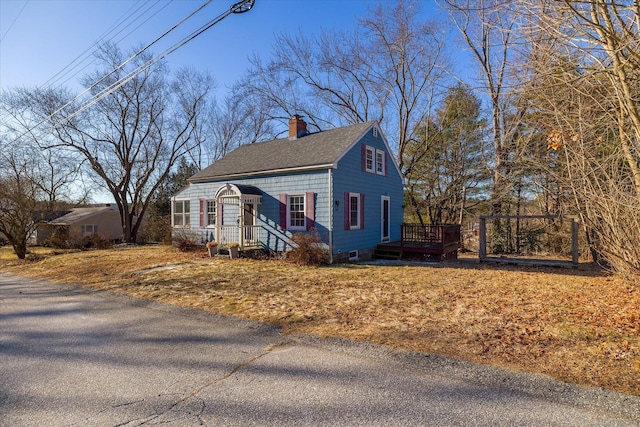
point(283, 211)
point(310, 208)
point(363, 156)
point(361, 211)
point(347, 220)
point(203, 204)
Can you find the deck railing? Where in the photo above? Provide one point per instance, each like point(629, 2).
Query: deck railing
point(435, 236)
point(245, 235)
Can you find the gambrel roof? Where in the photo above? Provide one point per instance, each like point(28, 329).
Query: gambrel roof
point(313, 151)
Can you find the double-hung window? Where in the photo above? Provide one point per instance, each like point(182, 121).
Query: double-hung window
point(211, 212)
point(181, 213)
point(380, 162)
point(374, 160)
point(295, 212)
point(369, 159)
point(354, 211)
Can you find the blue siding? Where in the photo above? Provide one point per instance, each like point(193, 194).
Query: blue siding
point(268, 212)
point(349, 177)
point(329, 187)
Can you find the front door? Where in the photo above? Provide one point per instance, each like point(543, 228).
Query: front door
point(386, 214)
point(249, 221)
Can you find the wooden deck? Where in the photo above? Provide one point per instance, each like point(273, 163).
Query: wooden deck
point(435, 241)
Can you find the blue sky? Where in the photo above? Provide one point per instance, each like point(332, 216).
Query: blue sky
point(39, 38)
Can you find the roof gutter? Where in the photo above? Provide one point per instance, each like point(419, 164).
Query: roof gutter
point(267, 172)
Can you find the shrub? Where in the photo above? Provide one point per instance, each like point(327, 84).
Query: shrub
point(75, 240)
point(186, 240)
point(98, 241)
point(156, 230)
point(308, 249)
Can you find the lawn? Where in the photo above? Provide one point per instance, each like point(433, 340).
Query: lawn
point(577, 325)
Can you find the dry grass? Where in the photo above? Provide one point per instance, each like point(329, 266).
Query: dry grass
point(579, 326)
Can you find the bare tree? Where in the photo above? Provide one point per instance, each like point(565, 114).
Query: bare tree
point(19, 195)
point(389, 69)
point(225, 127)
point(612, 34)
point(56, 172)
point(584, 72)
point(489, 29)
point(132, 132)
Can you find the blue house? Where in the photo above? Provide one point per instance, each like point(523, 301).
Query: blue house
point(342, 183)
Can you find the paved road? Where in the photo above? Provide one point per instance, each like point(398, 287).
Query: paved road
point(74, 357)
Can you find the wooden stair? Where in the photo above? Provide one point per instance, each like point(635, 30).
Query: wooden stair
point(383, 252)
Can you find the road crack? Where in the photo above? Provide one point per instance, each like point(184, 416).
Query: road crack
point(267, 350)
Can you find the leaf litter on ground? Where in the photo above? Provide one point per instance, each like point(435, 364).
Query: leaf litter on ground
point(576, 325)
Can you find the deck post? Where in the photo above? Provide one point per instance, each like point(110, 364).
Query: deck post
point(574, 241)
point(482, 251)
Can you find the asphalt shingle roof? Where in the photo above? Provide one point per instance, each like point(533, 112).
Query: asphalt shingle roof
point(79, 214)
point(316, 149)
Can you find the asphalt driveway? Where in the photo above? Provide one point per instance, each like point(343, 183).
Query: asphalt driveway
point(74, 357)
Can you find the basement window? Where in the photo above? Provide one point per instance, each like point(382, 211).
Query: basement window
point(353, 255)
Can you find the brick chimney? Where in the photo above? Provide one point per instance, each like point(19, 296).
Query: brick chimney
point(297, 127)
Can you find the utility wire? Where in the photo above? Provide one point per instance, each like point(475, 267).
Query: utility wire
point(130, 15)
point(240, 7)
point(14, 21)
point(131, 58)
point(127, 77)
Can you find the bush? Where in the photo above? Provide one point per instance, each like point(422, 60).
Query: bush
point(308, 249)
point(186, 240)
point(156, 230)
point(76, 240)
point(98, 241)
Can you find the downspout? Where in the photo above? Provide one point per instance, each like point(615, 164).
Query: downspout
point(330, 205)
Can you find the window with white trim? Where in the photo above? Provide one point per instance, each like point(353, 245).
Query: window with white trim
point(354, 211)
point(380, 162)
point(88, 229)
point(296, 212)
point(211, 212)
point(181, 213)
point(370, 152)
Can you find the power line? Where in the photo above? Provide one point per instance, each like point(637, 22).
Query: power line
point(14, 21)
point(237, 8)
point(132, 14)
point(240, 7)
point(131, 58)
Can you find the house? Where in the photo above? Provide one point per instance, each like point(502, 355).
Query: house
point(103, 219)
point(342, 183)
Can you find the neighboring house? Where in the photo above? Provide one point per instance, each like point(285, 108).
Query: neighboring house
point(103, 220)
point(343, 183)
